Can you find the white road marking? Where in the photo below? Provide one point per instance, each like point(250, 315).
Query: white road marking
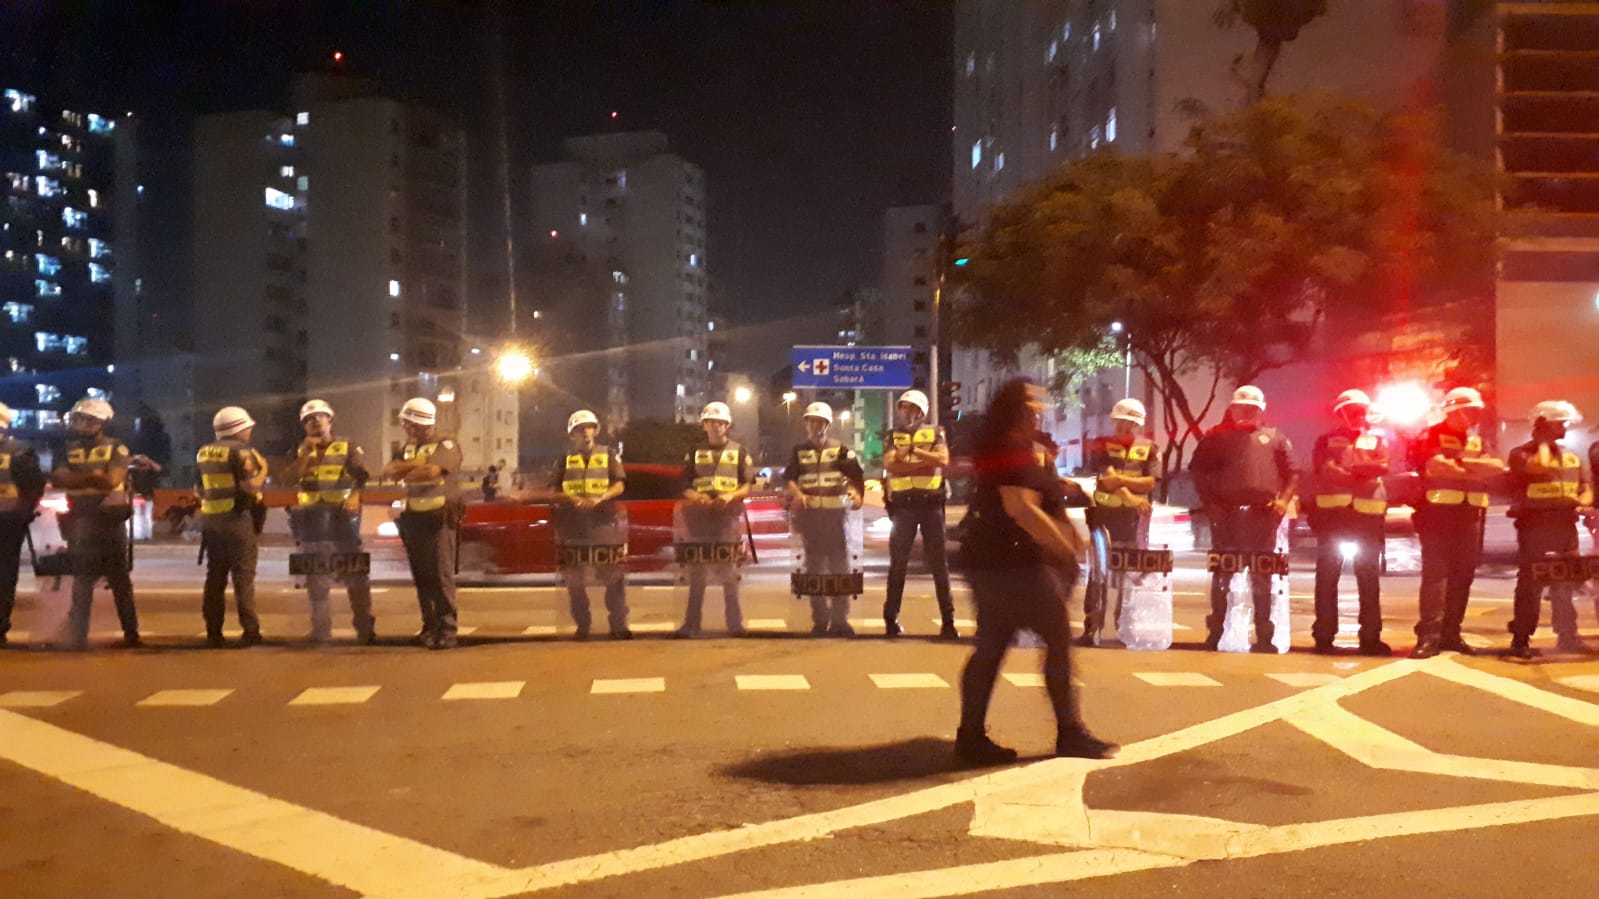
point(1589, 682)
point(1306, 679)
point(1176, 679)
point(184, 698)
point(465, 631)
point(966, 623)
point(36, 699)
point(509, 689)
point(653, 627)
point(766, 624)
point(908, 681)
point(1516, 691)
point(629, 685)
point(335, 695)
point(772, 682)
point(541, 630)
point(1025, 679)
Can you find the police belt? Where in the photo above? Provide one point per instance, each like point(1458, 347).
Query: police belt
point(1561, 569)
point(1233, 562)
point(852, 584)
point(1139, 561)
point(330, 563)
point(710, 553)
point(586, 555)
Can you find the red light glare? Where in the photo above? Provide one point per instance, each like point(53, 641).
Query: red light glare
point(338, 56)
point(614, 113)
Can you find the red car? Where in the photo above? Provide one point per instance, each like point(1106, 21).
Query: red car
point(518, 538)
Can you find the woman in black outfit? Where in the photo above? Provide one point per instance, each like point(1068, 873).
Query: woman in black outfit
point(1020, 555)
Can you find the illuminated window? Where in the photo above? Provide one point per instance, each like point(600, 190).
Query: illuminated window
point(98, 273)
point(303, 182)
point(46, 342)
point(94, 198)
point(1111, 24)
point(1054, 137)
point(99, 125)
point(681, 392)
point(18, 101)
point(693, 259)
point(302, 118)
point(1066, 31)
point(99, 249)
point(1110, 126)
point(47, 162)
point(47, 187)
point(394, 288)
point(1049, 55)
point(977, 153)
point(47, 393)
point(999, 162)
point(48, 265)
point(286, 140)
point(1093, 138)
point(583, 218)
point(74, 218)
point(394, 357)
point(77, 346)
point(95, 393)
point(19, 313)
point(20, 181)
point(971, 64)
point(1096, 37)
point(46, 289)
point(286, 171)
point(277, 199)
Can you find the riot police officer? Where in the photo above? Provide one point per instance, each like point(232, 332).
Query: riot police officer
point(328, 473)
point(719, 472)
point(231, 477)
point(915, 463)
point(1246, 479)
point(1126, 466)
point(585, 482)
point(1455, 471)
point(1550, 490)
point(824, 482)
point(94, 473)
point(1350, 505)
point(21, 486)
point(429, 465)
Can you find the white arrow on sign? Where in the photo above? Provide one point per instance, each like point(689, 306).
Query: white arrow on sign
point(805, 367)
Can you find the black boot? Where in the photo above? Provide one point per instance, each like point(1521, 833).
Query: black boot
point(948, 631)
point(891, 628)
point(1455, 644)
point(1375, 648)
point(1076, 742)
point(1426, 648)
point(1519, 649)
point(973, 747)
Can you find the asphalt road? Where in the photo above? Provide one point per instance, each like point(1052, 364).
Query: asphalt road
point(778, 765)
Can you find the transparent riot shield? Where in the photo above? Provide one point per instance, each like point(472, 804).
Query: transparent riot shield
point(590, 545)
point(1141, 579)
point(709, 549)
point(827, 562)
point(1239, 623)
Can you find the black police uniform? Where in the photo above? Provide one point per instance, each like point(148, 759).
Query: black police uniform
point(227, 514)
point(1449, 519)
point(97, 536)
point(21, 485)
point(1547, 481)
point(1349, 507)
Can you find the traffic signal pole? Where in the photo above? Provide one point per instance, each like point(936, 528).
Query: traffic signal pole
point(934, 387)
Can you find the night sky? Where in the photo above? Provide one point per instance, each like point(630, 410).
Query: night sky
point(808, 118)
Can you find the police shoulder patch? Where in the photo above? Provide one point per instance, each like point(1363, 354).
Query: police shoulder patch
point(446, 443)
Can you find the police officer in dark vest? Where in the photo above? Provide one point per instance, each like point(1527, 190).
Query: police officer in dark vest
point(1246, 479)
point(1347, 515)
point(719, 472)
point(915, 460)
point(429, 465)
point(1126, 466)
point(327, 474)
point(93, 471)
point(22, 484)
point(231, 477)
point(1455, 474)
point(1550, 490)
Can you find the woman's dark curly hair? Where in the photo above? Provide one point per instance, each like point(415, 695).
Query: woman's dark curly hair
point(1007, 413)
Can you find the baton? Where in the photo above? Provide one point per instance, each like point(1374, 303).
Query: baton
point(749, 534)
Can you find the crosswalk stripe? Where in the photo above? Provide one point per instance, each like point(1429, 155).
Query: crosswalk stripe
point(1589, 682)
point(966, 623)
point(36, 699)
point(509, 689)
point(1176, 679)
point(766, 624)
point(1025, 679)
point(653, 627)
point(629, 685)
point(184, 698)
point(772, 682)
point(1306, 679)
point(465, 631)
point(541, 630)
point(908, 681)
point(334, 696)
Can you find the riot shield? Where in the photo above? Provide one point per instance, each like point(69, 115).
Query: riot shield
point(827, 552)
point(1239, 622)
point(709, 549)
point(590, 544)
point(1142, 580)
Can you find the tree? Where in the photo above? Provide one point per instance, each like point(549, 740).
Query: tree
point(658, 441)
point(1221, 261)
point(1275, 22)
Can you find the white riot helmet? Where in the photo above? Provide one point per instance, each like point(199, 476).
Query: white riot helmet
point(819, 410)
point(580, 418)
point(716, 412)
point(1351, 398)
point(1558, 411)
point(315, 407)
point(98, 409)
point(1462, 398)
point(915, 398)
point(1249, 395)
point(231, 420)
point(6, 416)
point(419, 411)
point(1129, 410)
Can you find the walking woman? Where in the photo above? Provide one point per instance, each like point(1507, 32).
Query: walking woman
point(1020, 554)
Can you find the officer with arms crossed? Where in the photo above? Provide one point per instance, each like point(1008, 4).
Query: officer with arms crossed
point(429, 465)
point(94, 474)
point(231, 477)
point(1244, 473)
point(915, 462)
point(1550, 491)
point(1126, 466)
point(1349, 462)
point(719, 472)
point(328, 474)
point(824, 482)
point(1455, 473)
point(585, 482)
point(21, 486)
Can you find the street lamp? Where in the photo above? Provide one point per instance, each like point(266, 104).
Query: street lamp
point(741, 394)
point(1116, 327)
point(514, 366)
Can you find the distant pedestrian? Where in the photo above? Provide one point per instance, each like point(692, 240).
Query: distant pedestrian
point(1021, 555)
point(491, 484)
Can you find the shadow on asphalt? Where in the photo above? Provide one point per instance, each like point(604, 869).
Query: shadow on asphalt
point(856, 765)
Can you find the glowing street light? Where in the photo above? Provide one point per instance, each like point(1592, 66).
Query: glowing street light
point(789, 397)
point(1405, 404)
point(514, 366)
point(742, 394)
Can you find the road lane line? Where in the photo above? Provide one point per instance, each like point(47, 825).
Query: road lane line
point(1025, 679)
point(1589, 682)
point(1516, 691)
point(909, 681)
point(629, 685)
point(1307, 679)
point(349, 855)
point(37, 699)
point(772, 682)
point(184, 698)
point(766, 624)
point(1176, 679)
point(485, 690)
point(335, 695)
point(541, 630)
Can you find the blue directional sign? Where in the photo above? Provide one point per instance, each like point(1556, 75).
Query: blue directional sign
point(852, 367)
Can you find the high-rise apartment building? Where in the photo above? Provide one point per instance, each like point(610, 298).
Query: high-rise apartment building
point(620, 272)
point(68, 252)
point(329, 261)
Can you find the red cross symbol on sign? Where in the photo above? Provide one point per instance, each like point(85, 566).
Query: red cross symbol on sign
point(819, 366)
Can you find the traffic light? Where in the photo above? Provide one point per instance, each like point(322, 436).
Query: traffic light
point(949, 394)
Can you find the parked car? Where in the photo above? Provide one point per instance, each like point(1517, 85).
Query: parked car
point(518, 538)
